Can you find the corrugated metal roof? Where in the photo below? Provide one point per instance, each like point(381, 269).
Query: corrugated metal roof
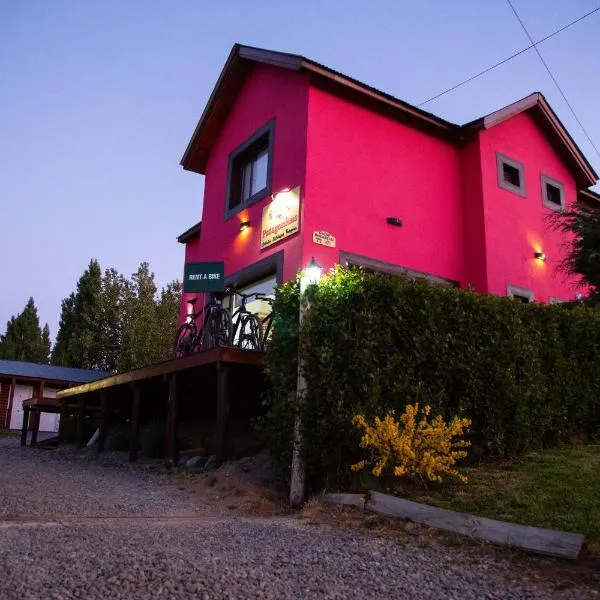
point(16, 368)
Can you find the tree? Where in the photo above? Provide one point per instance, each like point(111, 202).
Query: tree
point(582, 224)
point(24, 339)
point(79, 342)
point(167, 310)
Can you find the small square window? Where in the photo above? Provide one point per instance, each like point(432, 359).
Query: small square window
point(553, 193)
point(520, 294)
point(249, 173)
point(511, 174)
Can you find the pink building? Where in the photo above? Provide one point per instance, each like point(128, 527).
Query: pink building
point(377, 182)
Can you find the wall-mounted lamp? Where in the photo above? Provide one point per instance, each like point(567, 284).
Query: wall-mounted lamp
point(311, 275)
point(540, 256)
point(244, 225)
point(394, 221)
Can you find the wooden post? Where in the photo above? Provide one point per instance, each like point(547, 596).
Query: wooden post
point(103, 421)
point(25, 426)
point(298, 475)
point(79, 438)
point(222, 411)
point(134, 438)
point(171, 442)
point(35, 427)
point(13, 385)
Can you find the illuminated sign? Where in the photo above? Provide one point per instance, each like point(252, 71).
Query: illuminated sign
point(280, 218)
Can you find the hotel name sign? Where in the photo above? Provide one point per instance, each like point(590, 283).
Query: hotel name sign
point(280, 218)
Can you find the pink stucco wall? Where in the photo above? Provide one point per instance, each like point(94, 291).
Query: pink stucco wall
point(516, 227)
point(269, 93)
point(363, 167)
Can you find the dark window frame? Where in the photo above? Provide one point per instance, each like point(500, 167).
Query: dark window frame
point(245, 147)
point(545, 181)
point(513, 291)
point(502, 160)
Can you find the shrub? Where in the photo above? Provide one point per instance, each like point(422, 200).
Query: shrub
point(525, 374)
point(424, 448)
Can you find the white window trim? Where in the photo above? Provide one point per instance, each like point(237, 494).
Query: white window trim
point(501, 160)
point(516, 290)
point(551, 205)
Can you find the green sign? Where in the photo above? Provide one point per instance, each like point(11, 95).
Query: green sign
point(204, 277)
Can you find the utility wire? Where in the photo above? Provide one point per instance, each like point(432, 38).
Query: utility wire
point(553, 78)
point(533, 45)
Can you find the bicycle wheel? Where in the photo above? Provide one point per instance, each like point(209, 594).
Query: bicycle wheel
point(184, 341)
point(250, 337)
point(217, 329)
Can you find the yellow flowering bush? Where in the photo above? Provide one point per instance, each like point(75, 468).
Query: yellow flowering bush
point(414, 445)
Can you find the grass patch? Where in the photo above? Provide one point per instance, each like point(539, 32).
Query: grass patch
point(557, 489)
point(9, 433)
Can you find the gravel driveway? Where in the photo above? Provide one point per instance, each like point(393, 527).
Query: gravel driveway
point(100, 529)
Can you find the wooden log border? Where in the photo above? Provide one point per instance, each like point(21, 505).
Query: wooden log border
point(538, 540)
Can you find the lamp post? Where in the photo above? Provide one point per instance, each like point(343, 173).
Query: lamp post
point(310, 276)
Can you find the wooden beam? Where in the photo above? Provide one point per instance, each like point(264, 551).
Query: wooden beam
point(35, 427)
point(13, 385)
point(25, 426)
point(533, 539)
point(103, 421)
point(134, 436)
point(79, 437)
point(222, 411)
point(171, 438)
point(224, 354)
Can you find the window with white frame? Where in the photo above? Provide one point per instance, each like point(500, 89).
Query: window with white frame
point(520, 293)
point(553, 193)
point(511, 174)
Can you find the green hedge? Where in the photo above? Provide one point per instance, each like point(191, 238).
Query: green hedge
point(527, 375)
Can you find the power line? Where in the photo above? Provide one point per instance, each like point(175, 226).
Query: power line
point(553, 78)
point(533, 45)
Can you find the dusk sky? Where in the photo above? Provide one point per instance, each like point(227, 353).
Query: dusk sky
point(98, 100)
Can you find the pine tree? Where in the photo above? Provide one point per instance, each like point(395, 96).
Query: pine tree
point(60, 352)
point(24, 339)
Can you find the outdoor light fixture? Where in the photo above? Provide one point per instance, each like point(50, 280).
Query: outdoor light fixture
point(394, 221)
point(311, 275)
point(244, 225)
point(540, 256)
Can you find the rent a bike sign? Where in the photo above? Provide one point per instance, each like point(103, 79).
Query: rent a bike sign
point(204, 277)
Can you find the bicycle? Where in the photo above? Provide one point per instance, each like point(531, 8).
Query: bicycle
point(247, 330)
point(267, 322)
point(215, 328)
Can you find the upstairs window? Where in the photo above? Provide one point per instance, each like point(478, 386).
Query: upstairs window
point(249, 172)
point(553, 193)
point(520, 294)
point(511, 174)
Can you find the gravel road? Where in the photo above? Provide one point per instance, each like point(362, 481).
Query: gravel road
point(72, 527)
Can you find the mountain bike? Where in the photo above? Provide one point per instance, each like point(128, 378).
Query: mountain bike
point(247, 327)
point(207, 328)
point(267, 322)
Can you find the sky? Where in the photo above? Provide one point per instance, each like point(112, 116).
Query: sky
point(98, 100)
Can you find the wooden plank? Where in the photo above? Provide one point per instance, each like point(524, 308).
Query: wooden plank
point(79, 435)
point(229, 355)
point(25, 426)
point(134, 437)
point(222, 412)
point(357, 500)
point(171, 442)
point(102, 430)
point(13, 385)
point(533, 539)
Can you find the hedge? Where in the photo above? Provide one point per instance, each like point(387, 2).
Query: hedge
point(526, 374)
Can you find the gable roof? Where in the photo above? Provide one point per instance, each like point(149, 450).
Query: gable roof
point(537, 106)
point(242, 58)
point(28, 370)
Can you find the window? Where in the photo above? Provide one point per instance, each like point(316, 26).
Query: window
point(511, 175)
point(249, 172)
point(519, 293)
point(553, 193)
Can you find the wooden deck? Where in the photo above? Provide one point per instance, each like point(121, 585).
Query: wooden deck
point(158, 384)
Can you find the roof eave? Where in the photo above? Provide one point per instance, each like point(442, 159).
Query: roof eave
point(190, 233)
